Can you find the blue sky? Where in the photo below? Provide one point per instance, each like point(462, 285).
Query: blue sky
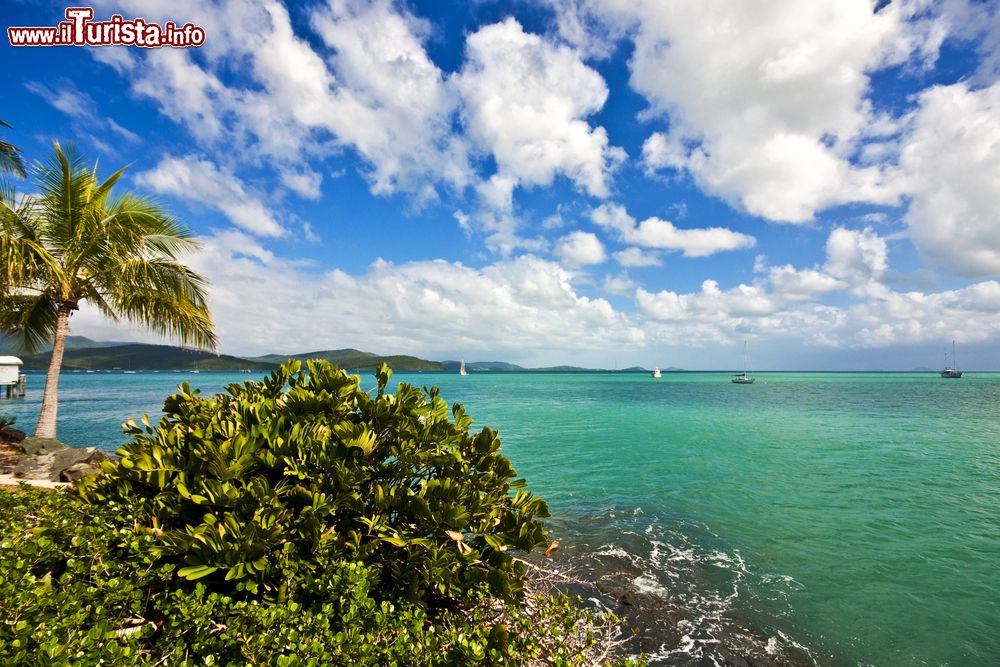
point(596, 182)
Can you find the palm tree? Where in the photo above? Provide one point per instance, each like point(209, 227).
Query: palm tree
point(10, 157)
point(74, 241)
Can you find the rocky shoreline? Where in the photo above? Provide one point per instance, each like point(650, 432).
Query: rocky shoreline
point(44, 462)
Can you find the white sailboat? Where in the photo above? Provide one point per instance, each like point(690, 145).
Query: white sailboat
point(656, 372)
point(461, 368)
point(744, 377)
point(951, 370)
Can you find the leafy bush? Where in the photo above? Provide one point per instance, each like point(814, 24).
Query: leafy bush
point(293, 521)
point(78, 589)
point(307, 463)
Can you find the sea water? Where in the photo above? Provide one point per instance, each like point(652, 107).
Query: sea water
point(846, 519)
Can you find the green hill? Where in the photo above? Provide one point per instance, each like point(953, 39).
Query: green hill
point(139, 356)
point(480, 366)
point(9, 345)
point(329, 355)
point(356, 360)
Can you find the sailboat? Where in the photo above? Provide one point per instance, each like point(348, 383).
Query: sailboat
point(656, 372)
point(744, 377)
point(951, 371)
point(461, 368)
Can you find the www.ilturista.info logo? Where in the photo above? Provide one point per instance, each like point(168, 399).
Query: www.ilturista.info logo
point(80, 30)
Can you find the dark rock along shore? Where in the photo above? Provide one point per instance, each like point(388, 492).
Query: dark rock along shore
point(43, 459)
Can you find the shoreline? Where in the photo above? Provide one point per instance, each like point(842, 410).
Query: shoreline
point(10, 481)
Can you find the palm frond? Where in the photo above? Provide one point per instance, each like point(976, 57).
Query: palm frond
point(65, 186)
point(29, 319)
point(24, 261)
point(10, 157)
point(140, 274)
point(11, 160)
point(92, 295)
point(170, 316)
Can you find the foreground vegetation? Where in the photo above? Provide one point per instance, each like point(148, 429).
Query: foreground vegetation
point(293, 521)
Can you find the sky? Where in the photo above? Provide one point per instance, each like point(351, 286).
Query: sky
point(605, 183)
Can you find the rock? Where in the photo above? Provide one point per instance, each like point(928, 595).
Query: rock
point(51, 466)
point(35, 445)
point(77, 471)
point(64, 459)
point(12, 436)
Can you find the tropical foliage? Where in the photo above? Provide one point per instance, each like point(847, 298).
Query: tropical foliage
point(294, 521)
point(309, 462)
point(10, 157)
point(77, 241)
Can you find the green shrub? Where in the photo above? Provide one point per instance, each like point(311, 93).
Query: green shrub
point(293, 521)
point(303, 463)
point(77, 590)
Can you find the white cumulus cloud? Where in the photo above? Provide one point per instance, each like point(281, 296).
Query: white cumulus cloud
point(664, 235)
point(526, 101)
point(951, 161)
point(202, 183)
point(633, 256)
point(580, 249)
point(766, 103)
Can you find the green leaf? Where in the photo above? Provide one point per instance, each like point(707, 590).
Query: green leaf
point(196, 571)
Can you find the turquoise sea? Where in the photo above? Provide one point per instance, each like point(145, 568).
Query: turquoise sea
point(841, 518)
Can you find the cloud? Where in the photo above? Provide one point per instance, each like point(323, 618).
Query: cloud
point(766, 104)
point(369, 86)
point(620, 284)
point(186, 93)
point(706, 305)
point(580, 249)
point(857, 257)
point(796, 284)
point(66, 97)
point(630, 257)
point(306, 183)
point(662, 234)
point(951, 162)
point(525, 101)
point(523, 308)
point(124, 132)
point(391, 102)
point(201, 182)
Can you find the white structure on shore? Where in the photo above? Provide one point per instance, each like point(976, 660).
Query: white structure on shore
point(12, 377)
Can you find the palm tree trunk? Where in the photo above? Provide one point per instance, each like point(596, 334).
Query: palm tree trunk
point(46, 427)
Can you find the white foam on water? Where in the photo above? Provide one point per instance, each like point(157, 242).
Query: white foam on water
point(683, 566)
point(791, 642)
point(612, 551)
point(647, 583)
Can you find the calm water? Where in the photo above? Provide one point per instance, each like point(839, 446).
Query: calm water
point(855, 515)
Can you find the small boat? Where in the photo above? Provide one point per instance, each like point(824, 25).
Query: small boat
point(656, 372)
point(461, 368)
point(744, 377)
point(951, 370)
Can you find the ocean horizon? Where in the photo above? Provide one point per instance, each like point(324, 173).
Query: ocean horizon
point(834, 518)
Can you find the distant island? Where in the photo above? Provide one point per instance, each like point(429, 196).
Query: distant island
point(84, 354)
